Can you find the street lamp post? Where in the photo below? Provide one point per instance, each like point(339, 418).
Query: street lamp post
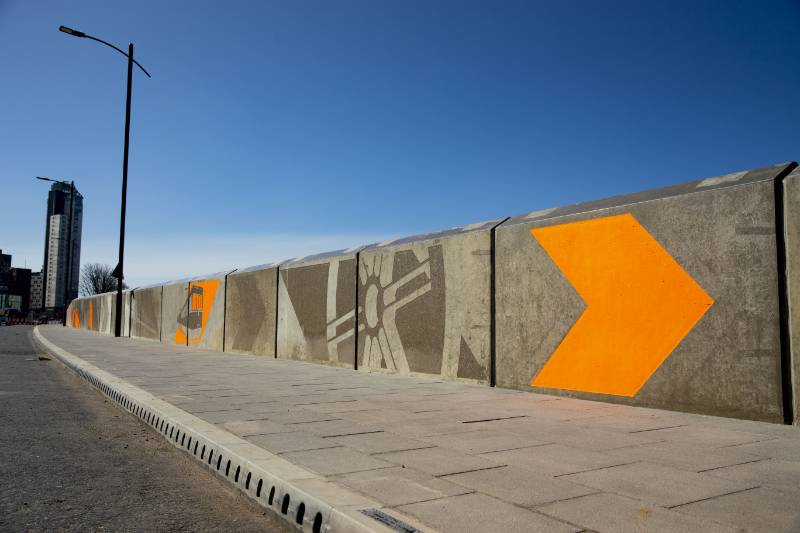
point(119, 267)
point(68, 277)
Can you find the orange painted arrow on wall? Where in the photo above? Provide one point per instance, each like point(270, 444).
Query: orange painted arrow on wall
point(640, 304)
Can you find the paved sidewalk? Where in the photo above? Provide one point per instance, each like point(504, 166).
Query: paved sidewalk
point(461, 457)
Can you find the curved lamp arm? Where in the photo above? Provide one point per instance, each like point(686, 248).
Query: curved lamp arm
point(76, 33)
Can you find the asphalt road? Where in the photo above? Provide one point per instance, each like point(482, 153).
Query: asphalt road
point(71, 461)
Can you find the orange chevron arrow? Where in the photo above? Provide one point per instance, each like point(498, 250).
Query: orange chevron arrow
point(640, 304)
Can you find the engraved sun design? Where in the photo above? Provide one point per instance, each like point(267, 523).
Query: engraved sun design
point(382, 345)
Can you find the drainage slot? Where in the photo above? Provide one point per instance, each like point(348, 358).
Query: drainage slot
point(228, 468)
point(285, 504)
point(236, 476)
point(246, 481)
point(271, 495)
point(301, 510)
point(258, 489)
point(317, 523)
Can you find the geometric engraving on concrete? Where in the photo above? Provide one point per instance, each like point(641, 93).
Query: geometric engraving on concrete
point(640, 304)
point(402, 313)
point(192, 320)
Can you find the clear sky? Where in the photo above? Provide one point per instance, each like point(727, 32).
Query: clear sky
point(276, 129)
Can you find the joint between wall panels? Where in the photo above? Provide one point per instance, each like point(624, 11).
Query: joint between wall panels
point(786, 367)
point(493, 304)
point(355, 309)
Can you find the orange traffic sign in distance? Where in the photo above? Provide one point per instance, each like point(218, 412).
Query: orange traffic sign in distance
point(640, 304)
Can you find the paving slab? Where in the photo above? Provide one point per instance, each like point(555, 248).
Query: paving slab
point(758, 509)
point(464, 457)
point(658, 484)
point(479, 513)
point(609, 513)
point(524, 488)
point(438, 461)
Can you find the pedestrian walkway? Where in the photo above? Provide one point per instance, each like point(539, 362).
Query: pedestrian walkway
point(455, 457)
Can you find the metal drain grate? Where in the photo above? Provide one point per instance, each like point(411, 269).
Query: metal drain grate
point(390, 521)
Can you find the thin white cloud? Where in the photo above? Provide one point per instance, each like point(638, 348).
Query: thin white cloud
point(164, 258)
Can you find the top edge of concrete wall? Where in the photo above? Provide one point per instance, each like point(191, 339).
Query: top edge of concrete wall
point(344, 253)
point(459, 230)
point(213, 275)
point(265, 266)
point(718, 182)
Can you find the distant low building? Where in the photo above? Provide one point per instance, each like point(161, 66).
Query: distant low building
point(15, 287)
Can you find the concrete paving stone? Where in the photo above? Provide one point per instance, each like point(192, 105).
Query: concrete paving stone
point(518, 486)
point(379, 442)
point(400, 486)
point(631, 422)
point(759, 509)
point(684, 456)
point(219, 417)
point(380, 416)
point(478, 513)
point(709, 436)
point(438, 461)
point(657, 484)
point(784, 448)
point(256, 427)
point(294, 416)
point(773, 473)
point(333, 461)
point(482, 441)
point(555, 459)
point(334, 428)
point(438, 425)
point(610, 513)
point(291, 442)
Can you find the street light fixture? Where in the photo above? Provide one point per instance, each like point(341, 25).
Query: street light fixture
point(68, 280)
point(118, 270)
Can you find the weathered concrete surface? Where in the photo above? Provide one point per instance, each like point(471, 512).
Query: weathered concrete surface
point(175, 313)
point(146, 313)
point(791, 211)
point(473, 458)
point(425, 303)
point(316, 308)
point(105, 302)
point(206, 317)
point(251, 310)
point(701, 257)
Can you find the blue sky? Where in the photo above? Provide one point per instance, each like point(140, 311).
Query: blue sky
point(276, 129)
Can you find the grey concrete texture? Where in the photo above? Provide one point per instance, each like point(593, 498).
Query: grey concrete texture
point(146, 313)
point(424, 304)
point(251, 310)
point(205, 322)
point(105, 302)
point(791, 217)
point(316, 309)
point(721, 232)
point(175, 312)
point(465, 457)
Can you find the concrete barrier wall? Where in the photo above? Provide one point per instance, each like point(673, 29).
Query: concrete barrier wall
point(251, 310)
point(105, 302)
point(205, 322)
point(146, 312)
point(667, 298)
point(425, 303)
point(316, 308)
point(791, 209)
point(175, 313)
point(684, 298)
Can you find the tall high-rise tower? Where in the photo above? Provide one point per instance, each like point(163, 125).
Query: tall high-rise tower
point(56, 257)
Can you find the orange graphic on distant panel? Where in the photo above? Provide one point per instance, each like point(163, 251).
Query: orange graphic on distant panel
point(201, 298)
point(640, 304)
point(91, 315)
point(76, 318)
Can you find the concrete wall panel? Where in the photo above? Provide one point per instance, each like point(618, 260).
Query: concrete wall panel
point(667, 298)
point(791, 209)
point(316, 309)
point(146, 313)
point(105, 302)
point(175, 313)
point(251, 310)
point(205, 323)
point(425, 304)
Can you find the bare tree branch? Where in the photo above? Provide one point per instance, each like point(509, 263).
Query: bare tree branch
point(96, 278)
